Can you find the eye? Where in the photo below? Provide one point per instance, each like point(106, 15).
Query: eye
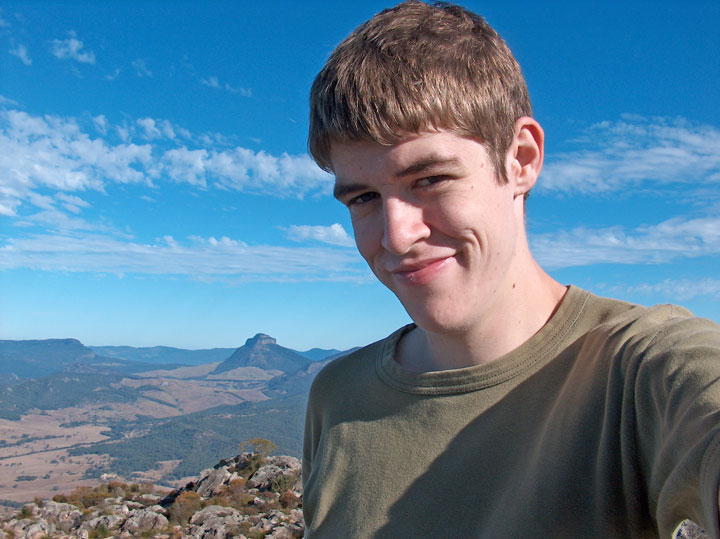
point(430, 180)
point(361, 199)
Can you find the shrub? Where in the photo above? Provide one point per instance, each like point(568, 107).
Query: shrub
point(99, 533)
point(184, 507)
point(289, 499)
point(282, 482)
point(26, 478)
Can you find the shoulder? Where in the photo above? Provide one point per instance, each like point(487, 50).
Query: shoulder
point(612, 316)
point(662, 336)
point(354, 372)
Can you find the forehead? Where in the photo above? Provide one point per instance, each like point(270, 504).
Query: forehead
point(417, 153)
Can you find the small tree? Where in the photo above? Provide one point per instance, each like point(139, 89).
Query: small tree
point(259, 446)
point(260, 449)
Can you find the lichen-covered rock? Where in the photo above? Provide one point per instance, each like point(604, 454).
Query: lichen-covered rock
point(216, 522)
point(107, 522)
point(689, 530)
point(64, 516)
point(144, 520)
point(148, 499)
point(208, 484)
point(214, 513)
point(33, 529)
point(276, 471)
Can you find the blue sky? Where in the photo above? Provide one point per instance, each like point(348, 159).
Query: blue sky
point(155, 187)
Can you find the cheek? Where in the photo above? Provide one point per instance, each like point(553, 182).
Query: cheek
point(365, 240)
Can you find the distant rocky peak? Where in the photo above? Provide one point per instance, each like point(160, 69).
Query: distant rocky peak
point(260, 339)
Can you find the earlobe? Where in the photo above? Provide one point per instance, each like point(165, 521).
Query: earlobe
point(525, 158)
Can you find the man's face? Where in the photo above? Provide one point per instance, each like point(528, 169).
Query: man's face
point(433, 223)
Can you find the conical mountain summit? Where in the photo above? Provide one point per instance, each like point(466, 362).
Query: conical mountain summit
point(263, 352)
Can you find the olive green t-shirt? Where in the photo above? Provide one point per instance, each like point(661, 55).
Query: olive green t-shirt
point(606, 423)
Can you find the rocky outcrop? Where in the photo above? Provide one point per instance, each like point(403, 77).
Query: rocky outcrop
point(250, 495)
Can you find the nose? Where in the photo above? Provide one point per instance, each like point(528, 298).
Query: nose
point(403, 225)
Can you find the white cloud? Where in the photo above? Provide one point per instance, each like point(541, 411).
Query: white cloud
point(71, 49)
point(54, 153)
point(68, 154)
point(167, 129)
point(55, 219)
point(141, 68)
point(71, 202)
point(334, 234)
point(101, 124)
point(7, 101)
point(636, 151)
point(206, 259)
point(186, 165)
point(214, 82)
point(21, 52)
point(675, 289)
point(114, 75)
point(155, 129)
point(150, 130)
point(42, 201)
point(669, 240)
point(245, 170)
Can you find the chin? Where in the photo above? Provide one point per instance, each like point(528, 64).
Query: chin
point(439, 320)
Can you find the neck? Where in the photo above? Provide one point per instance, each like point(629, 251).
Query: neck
point(522, 308)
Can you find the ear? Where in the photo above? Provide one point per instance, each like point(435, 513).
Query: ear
point(525, 156)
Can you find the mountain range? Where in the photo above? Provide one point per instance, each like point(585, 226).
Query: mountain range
point(157, 414)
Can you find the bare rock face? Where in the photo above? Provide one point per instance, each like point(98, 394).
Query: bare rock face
point(260, 339)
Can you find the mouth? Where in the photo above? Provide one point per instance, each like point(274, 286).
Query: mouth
point(421, 272)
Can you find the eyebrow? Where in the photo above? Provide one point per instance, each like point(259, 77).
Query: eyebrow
point(425, 164)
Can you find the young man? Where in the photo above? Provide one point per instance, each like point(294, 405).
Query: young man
point(514, 406)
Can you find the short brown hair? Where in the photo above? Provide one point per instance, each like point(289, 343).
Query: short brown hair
point(414, 68)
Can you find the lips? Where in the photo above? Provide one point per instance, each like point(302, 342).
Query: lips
point(420, 272)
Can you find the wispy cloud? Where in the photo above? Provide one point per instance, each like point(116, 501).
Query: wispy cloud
point(333, 235)
point(54, 153)
point(669, 240)
point(153, 129)
point(101, 123)
point(199, 258)
point(21, 52)
point(674, 289)
point(141, 68)
point(636, 151)
point(214, 82)
point(7, 101)
point(72, 203)
point(69, 154)
point(242, 169)
point(71, 49)
point(114, 75)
